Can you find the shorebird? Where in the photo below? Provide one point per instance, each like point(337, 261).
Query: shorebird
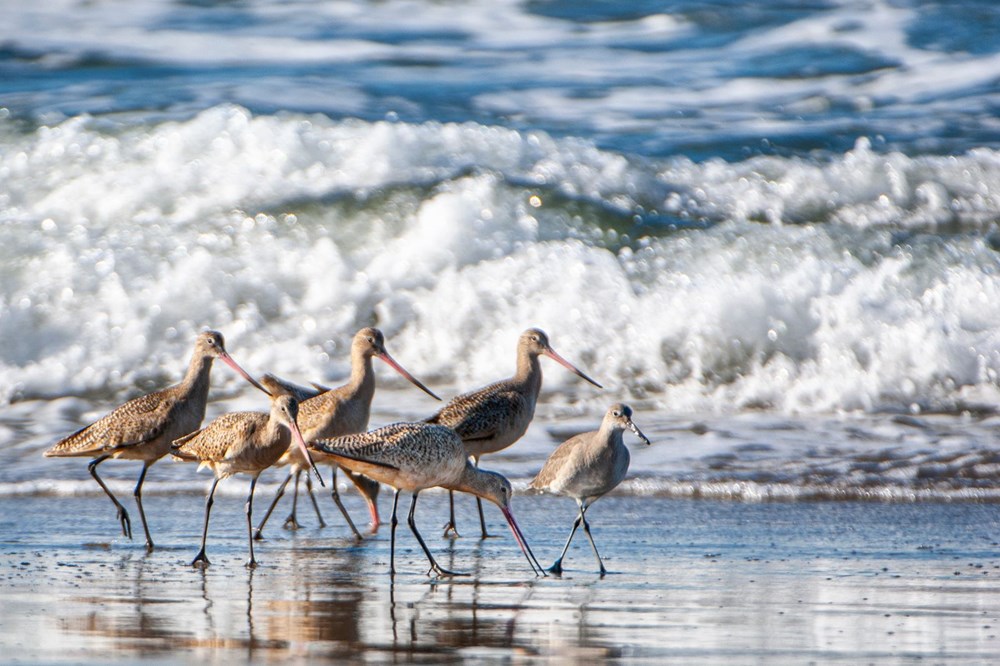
point(143, 428)
point(495, 416)
point(241, 442)
point(335, 412)
point(415, 456)
point(587, 466)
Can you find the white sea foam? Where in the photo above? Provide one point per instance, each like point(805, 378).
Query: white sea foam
point(289, 232)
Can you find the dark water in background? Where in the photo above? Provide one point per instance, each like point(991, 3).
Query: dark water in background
point(697, 79)
point(772, 229)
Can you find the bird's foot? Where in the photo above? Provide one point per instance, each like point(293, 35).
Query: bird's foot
point(556, 568)
point(450, 531)
point(149, 547)
point(291, 523)
point(125, 521)
point(258, 535)
point(251, 563)
point(201, 561)
point(442, 572)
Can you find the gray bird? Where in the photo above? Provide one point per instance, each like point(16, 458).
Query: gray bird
point(588, 466)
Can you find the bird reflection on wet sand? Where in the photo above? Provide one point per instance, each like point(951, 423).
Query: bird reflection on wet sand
point(317, 598)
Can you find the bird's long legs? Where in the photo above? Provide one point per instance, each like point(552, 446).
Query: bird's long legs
point(340, 505)
point(556, 567)
point(450, 528)
point(138, 502)
point(312, 498)
point(291, 521)
point(201, 559)
point(122, 513)
point(258, 534)
point(435, 567)
point(252, 562)
point(586, 530)
point(393, 521)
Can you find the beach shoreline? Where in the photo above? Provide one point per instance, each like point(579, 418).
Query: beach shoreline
point(705, 581)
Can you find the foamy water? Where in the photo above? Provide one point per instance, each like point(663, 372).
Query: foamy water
point(793, 219)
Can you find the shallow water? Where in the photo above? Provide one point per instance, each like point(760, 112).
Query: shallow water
point(709, 581)
point(772, 231)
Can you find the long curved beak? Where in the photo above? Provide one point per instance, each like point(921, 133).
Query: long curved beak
point(228, 360)
point(634, 428)
point(398, 368)
point(522, 542)
point(297, 436)
point(569, 366)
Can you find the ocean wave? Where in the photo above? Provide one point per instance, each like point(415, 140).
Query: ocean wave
point(862, 281)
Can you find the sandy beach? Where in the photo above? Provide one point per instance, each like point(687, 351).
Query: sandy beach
point(689, 582)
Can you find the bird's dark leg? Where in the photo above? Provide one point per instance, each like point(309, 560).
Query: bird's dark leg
point(291, 522)
point(479, 505)
point(392, 534)
point(340, 505)
point(312, 497)
point(482, 519)
point(201, 560)
point(252, 562)
point(450, 529)
point(138, 502)
point(586, 530)
point(435, 567)
point(556, 567)
point(122, 513)
point(258, 534)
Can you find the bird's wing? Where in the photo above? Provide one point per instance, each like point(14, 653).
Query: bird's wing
point(135, 422)
point(220, 438)
point(557, 461)
point(482, 414)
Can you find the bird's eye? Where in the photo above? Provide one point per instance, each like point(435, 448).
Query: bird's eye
point(616, 413)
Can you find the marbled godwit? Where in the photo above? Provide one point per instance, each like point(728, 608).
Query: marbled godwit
point(495, 416)
point(587, 466)
point(415, 456)
point(247, 442)
point(143, 428)
point(335, 412)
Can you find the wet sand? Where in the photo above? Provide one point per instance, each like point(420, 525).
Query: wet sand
point(689, 582)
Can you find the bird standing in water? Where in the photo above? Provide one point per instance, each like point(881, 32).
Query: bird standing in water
point(416, 456)
point(335, 412)
point(494, 417)
point(144, 427)
point(586, 467)
point(242, 442)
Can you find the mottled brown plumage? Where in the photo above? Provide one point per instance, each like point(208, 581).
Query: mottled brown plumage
point(241, 442)
point(340, 411)
point(143, 428)
point(492, 418)
point(415, 456)
point(586, 467)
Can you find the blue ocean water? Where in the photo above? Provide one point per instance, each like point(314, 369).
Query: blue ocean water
point(771, 228)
